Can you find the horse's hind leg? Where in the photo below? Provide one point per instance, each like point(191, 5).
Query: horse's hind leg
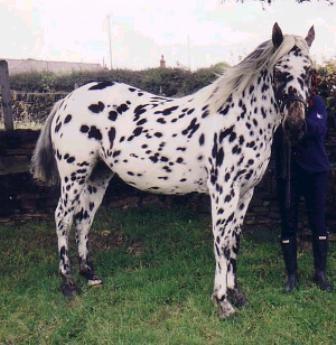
point(72, 183)
point(89, 201)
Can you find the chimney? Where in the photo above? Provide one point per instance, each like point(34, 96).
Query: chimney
point(162, 62)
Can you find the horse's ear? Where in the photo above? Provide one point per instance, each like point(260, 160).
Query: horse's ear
point(277, 36)
point(310, 36)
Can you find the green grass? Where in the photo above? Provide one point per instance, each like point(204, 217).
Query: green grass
point(158, 270)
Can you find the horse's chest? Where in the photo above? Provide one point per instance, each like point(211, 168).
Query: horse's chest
point(256, 171)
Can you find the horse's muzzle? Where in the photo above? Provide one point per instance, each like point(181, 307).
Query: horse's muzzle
point(295, 124)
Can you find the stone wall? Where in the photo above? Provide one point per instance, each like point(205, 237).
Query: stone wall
point(33, 106)
point(21, 196)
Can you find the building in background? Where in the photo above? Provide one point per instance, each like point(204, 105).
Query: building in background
point(162, 62)
point(17, 66)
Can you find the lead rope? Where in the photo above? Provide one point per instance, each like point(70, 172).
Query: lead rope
point(288, 173)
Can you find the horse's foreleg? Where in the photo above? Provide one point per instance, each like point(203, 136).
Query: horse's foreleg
point(89, 202)
point(224, 222)
point(235, 294)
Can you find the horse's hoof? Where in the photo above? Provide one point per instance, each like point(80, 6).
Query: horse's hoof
point(225, 309)
point(69, 290)
point(237, 298)
point(96, 282)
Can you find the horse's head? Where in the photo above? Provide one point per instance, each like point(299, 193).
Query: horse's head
point(291, 79)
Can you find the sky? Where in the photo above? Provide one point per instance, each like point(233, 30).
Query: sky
point(190, 33)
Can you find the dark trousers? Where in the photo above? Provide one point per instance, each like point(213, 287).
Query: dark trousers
point(313, 187)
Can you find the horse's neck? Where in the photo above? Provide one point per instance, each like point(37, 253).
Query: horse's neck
point(260, 95)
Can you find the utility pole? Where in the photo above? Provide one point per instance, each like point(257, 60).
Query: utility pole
point(109, 37)
point(188, 52)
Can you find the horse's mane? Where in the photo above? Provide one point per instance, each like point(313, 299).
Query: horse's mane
point(240, 76)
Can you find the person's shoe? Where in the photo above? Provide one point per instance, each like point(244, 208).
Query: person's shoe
point(320, 252)
point(292, 283)
point(289, 250)
point(322, 282)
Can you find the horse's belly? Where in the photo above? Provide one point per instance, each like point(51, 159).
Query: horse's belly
point(160, 177)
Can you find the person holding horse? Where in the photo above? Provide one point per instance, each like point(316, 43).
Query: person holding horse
point(302, 170)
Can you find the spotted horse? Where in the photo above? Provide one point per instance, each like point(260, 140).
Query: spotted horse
point(216, 141)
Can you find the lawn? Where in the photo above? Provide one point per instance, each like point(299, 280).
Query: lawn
point(158, 270)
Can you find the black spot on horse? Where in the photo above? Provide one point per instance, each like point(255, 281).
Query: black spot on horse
point(67, 118)
point(236, 150)
point(161, 120)
point(264, 88)
point(140, 109)
point(137, 131)
point(154, 159)
point(167, 111)
point(112, 115)
point(220, 157)
point(225, 133)
point(58, 127)
point(97, 108)
point(232, 137)
point(201, 139)
point(95, 133)
point(191, 129)
point(101, 85)
point(116, 153)
point(84, 128)
point(205, 114)
point(225, 110)
point(122, 108)
point(58, 155)
point(227, 198)
point(141, 122)
point(111, 135)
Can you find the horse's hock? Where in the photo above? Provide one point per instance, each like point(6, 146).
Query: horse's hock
point(21, 196)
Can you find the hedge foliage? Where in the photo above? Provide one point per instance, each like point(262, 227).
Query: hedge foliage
point(167, 81)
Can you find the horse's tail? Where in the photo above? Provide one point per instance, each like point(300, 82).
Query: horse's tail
point(43, 162)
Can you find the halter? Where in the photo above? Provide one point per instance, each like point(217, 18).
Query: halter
point(285, 99)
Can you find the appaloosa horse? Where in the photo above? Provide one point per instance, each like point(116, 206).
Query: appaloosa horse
point(215, 141)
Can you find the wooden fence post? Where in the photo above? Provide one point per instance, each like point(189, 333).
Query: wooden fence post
point(6, 96)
